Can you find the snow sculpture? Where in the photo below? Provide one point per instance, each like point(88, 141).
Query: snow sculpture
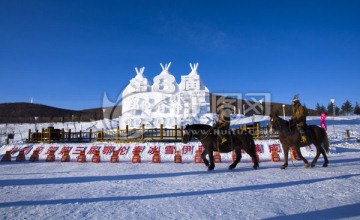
point(165, 102)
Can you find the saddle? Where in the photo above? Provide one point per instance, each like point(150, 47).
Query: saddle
point(224, 140)
point(308, 135)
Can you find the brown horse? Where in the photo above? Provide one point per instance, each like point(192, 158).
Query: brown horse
point(209, 139)
point(290, 137)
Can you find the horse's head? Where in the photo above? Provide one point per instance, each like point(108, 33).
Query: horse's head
point(277, 123)
point(194, 131)
point(187, 135)
point(274, 123)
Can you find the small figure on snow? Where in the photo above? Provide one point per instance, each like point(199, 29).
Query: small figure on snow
point(322, 121)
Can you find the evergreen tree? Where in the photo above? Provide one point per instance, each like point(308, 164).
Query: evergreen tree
point(330, 108)
point(347, 108)
point(318, 108)
point(337, 110)
point(357, 109)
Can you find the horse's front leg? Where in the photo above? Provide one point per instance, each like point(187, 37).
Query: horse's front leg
point(203, 157)
point(237, 159)
point(313, 163)
point(286, 157)
point(211, 158)
point(297, 149)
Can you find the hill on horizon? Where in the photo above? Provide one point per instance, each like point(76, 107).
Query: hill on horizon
point(23, 112)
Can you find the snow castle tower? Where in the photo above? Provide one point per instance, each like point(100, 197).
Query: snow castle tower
point(165, 102)
point(194, 94)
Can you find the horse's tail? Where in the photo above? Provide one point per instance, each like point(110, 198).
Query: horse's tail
point(326, 143)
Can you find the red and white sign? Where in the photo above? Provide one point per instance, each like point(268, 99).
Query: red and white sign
point(93, 149)
point(170, 149)
point(39, 149)
point(274, 147)
point(123, 150)
point(200, 148)
point(187, 150)
point(153, 149)
point(139, 148)
point(14, 150)
point(27, 149)
point(65, 148)
point(52, 148)
point(107, 150)
point(259, 148)
point(78, 149)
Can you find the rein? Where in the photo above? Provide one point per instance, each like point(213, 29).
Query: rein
point(277, 123)
point(207, 133)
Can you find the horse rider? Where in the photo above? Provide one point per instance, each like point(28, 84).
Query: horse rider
point(298, 117)
point(223, 124)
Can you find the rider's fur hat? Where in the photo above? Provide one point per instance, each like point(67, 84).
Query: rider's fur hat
point(295, 99)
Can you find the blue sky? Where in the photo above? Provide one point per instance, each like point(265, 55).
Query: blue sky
point(68, 53)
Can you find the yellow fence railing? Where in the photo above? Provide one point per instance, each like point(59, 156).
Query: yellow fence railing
point(142, 134)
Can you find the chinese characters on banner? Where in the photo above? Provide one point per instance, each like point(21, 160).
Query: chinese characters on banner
point(52, 148)
point(170, 149)
point(93, 149)
point(259, 148)
point(126, 150)
point(123, 150)
point(78, 149)
point(274, 147)
point(65, 148)
point(107, 150)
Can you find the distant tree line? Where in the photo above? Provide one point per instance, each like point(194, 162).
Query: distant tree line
point(346, 109)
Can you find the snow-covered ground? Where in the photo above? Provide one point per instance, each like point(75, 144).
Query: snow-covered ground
point(124, 190)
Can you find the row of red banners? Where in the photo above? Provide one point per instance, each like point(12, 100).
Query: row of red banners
point(126, 149)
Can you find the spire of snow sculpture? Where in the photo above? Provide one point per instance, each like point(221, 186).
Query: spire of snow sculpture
point(165, 82)
point(139, 73)
point(192, 81)
point(137, 84)
point(194, 69)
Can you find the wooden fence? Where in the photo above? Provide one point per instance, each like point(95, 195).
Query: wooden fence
point(125, 135)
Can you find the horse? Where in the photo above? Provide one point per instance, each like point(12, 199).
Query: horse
point(206, 134)
point(290, 137)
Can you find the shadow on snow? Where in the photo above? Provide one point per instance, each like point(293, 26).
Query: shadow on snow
point(169, 195)
point(338, 212)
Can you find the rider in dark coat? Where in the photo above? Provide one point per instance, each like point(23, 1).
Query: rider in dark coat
point(223, 125)
point(298, 117)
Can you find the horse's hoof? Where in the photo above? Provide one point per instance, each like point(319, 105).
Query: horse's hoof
point(231, 167)
point(209, 168)
point(307, 165)
point(283, 167)
point(312, 165)
point(325, 165)
point(255, 168)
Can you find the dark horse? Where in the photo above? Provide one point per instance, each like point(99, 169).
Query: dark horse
point(209, 139)
point(290, 137)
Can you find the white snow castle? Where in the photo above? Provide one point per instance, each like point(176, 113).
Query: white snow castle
point(164, 102)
